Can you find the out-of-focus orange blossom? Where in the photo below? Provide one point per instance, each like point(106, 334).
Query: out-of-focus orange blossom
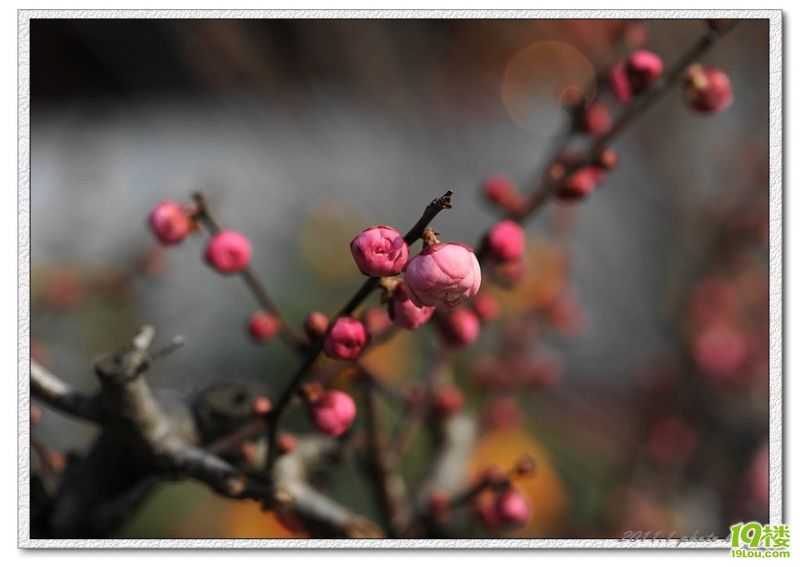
point(247, 520)
point(545, 277)
point(544, 490)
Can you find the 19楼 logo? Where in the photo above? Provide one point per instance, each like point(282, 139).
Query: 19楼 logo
point(757, 540)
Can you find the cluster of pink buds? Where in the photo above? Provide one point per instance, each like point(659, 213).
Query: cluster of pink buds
point(506, 509)
point(581, 182)
point(331, 411)
point(346, 339)
point(594, 119)
point(707, 90)
point(635, 75)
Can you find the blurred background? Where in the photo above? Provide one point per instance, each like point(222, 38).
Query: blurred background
point(643, 309)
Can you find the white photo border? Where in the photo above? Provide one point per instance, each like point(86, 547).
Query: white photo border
point(776, 502)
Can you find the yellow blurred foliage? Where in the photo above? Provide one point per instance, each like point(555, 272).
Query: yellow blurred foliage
point(544, 490)
point(395, 361)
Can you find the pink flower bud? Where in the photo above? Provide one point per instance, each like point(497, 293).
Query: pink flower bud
point(708, 90)
point(578, 185)
point(379, 251)
point(346, 339)
point(486, 307)
point(512, 508)
point(620, 84)
point(720, 350)
point(263, 326)
point(487, 513)
point(316, 324)
point(228, 252)
point(169, 222)
point(261, 405)
point(447, 401)
point(499, 189)
point(505, 241)
point(332, 413)
point(595, 120)
point(644, 69)
point(459, 327)
point(443, 275)
point(405, 313)
point(286, 443)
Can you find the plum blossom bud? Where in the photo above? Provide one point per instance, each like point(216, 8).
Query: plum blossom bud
point(486, 307)
point(346, 339)
point(708, 90)
point(261, 405)
point(443, 275)
point(376, 320)
point(720, 349)
point(228, 252)
point(595, 120)
point(499, 190)
point(644, 69)
point(579, 184)
point(487, 514)
point(447, 401)
point(505, 241)
point(263, 326)
point(459, 327)
point(332, 412)
point(170, 222)
point(379, 251)
point(512, 508)
point(405, 313)
point(316, 324)
point(620, 84)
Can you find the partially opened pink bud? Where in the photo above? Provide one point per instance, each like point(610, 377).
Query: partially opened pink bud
point(644, 69)
point(459, 327)
point(708, 90)
point(379, 251)
point(512, 508)
point(263, 326)
point(443, 275)
point(405, 313)
point(346, 339)
point(505, 241)
point(228, 252)
point(332, 412)
point(620, 84)
point(170, 222)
